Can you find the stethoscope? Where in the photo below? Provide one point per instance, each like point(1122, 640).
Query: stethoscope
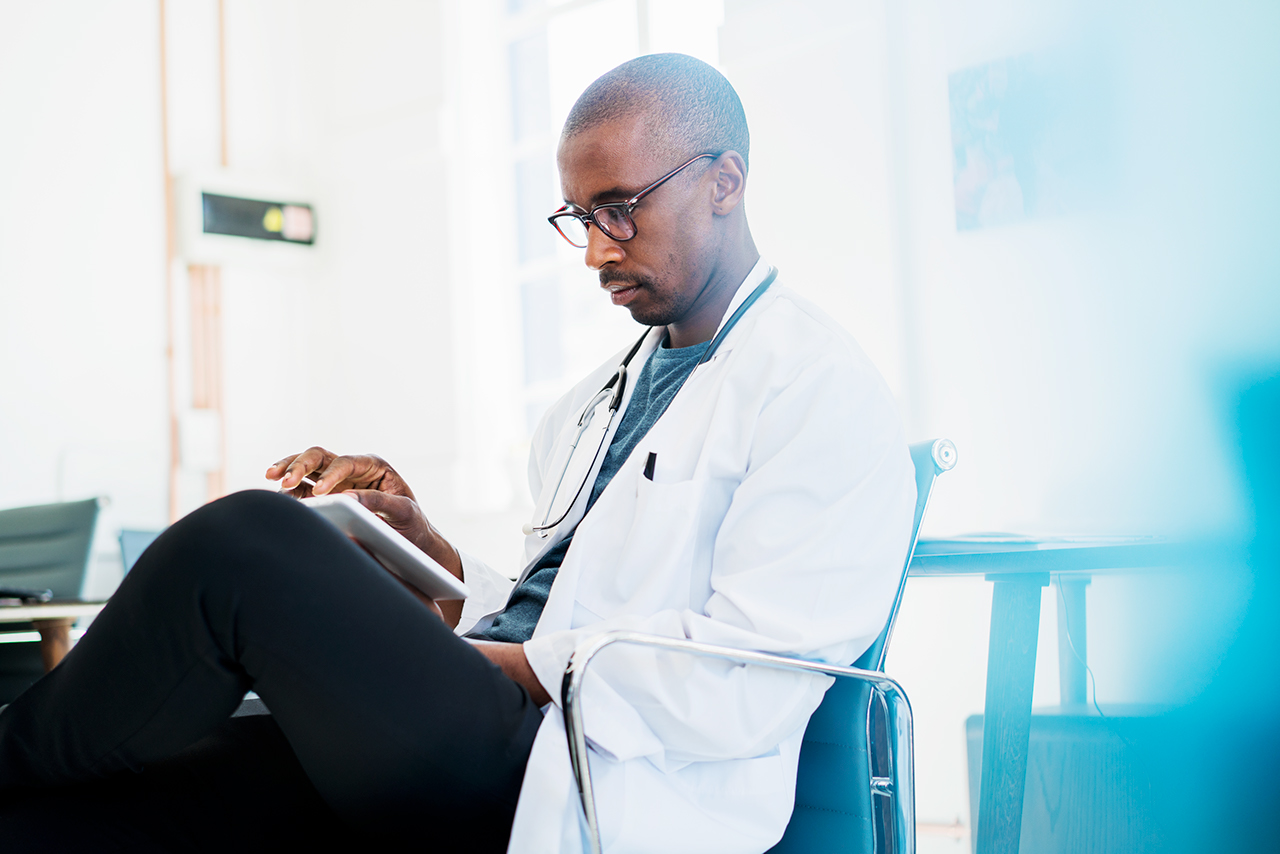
point(613, 391)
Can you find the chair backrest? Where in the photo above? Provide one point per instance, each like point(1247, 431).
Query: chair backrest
point(931, 459)
point(833, 809)
point(133, 544)
point(47, 546)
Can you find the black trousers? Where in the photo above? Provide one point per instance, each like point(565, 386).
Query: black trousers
point(383, 722)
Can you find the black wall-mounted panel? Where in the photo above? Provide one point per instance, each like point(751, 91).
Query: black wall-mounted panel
point(257, 219)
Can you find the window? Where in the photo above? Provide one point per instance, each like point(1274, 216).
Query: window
point(555, 51)
point(528, 318)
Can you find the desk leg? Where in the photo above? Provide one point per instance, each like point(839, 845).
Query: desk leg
point(1071, 618)
point(1006, 723)
point(55, 640)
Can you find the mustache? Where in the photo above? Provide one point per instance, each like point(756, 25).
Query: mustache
point(614, 277)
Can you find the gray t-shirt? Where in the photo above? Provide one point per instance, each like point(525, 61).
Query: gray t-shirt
point(656, 386)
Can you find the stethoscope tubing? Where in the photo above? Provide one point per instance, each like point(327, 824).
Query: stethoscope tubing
point(583, 424)
point(617, 385)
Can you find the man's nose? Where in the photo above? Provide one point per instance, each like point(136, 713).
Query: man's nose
point(601, 248)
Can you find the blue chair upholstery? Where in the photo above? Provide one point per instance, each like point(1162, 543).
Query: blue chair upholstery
point(838, 778)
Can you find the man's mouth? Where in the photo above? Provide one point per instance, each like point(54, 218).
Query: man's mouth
point(621, 292)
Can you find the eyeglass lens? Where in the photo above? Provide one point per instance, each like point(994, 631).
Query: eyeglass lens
point(613, 221)
point(572, 229)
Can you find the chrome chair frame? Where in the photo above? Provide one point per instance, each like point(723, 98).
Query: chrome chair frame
point(898, 787)
point(899, 718)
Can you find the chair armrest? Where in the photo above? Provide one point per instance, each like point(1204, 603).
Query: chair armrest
point(901, 783)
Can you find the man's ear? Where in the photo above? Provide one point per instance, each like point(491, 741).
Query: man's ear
point(730, 174)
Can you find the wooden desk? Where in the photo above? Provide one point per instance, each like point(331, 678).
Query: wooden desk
point(1020, 567)
point(53, 621)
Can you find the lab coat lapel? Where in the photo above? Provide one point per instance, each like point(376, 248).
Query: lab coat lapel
point(618, 511)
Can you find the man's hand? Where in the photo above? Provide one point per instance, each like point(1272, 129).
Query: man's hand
point(374, 483)
point(333, 473)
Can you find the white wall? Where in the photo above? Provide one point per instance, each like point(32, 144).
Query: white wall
point(352, 350)
point(813, 80)
point(82, 403)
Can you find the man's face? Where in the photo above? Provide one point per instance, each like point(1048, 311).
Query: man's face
point(660, 272)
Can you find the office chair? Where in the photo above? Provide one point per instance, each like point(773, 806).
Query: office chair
point(133, 544)
point(47, 546)
point(41, 548)
point(835, 784)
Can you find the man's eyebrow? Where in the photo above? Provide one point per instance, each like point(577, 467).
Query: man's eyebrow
point(612, 194)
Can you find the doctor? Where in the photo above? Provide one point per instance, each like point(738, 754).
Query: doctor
point(758, 496)
point(753, 488)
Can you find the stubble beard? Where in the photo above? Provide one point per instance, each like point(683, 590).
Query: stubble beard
point(656, 311)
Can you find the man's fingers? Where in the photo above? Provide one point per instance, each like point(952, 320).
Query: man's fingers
point(346, 472)
point(398, 511)
point(332, 473)
point(356, 472)
point(302, 490)
point(302, 465)
point(276, 470)
point(393, 508)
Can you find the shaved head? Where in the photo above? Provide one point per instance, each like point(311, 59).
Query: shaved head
point(688, 107)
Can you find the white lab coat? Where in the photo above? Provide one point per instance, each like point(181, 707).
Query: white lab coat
point(777, 519)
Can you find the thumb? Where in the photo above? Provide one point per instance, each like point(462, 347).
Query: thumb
point(392, 508)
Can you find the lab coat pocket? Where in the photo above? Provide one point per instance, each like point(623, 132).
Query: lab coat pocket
point(665, 544)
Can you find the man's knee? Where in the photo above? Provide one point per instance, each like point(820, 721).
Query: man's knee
point(222, 538)
point(249, 511)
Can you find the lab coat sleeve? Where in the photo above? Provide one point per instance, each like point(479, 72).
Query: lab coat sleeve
point(489, 591)
point(805, 562)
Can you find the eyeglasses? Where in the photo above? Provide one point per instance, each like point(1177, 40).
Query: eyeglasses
point(613, 218)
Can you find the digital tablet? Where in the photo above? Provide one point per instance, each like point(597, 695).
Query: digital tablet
point(389, 546)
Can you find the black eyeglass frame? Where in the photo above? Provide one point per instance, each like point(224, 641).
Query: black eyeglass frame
point(588, 218)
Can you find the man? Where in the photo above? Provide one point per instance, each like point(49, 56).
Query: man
point(753, 489)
